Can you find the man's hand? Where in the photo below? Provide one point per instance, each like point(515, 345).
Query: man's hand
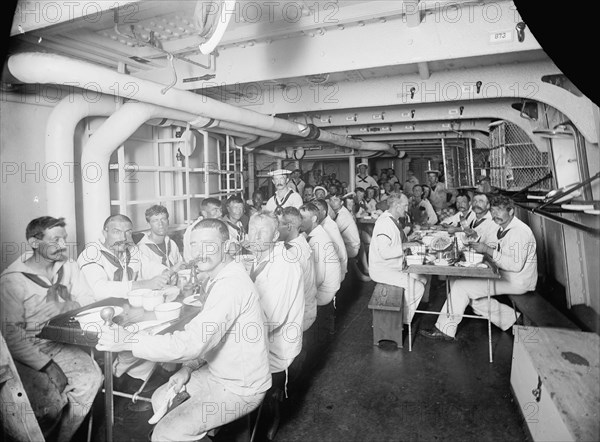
point(179, 379)
point(481, 248)
point(55, 308)
point(415, 236)
point(115, 339)
point(156, 283)
point(57, 376)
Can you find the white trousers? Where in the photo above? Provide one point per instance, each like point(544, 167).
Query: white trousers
point(210, 406)
point(465, 291)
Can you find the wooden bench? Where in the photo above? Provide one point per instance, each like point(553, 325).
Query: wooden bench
point(538, 312)
point(387, 303)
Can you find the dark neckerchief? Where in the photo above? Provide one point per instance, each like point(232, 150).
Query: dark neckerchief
point(55, 290)
point(361, 179)
point(118, 276)
point(476, 222)
point(164, 255)
point(239, 229)
point(258, 270)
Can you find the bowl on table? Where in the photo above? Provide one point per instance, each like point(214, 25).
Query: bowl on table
point(168, 311)
point(152, 299)
point(136, 297)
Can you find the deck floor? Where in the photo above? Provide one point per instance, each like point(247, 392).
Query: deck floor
point(362, 392)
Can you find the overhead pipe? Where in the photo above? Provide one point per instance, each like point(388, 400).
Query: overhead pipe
point(121, 125)
point(315, 133)
point(52, 68)
point(60, 151)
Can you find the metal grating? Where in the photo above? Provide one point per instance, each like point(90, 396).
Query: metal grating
point(512, 162)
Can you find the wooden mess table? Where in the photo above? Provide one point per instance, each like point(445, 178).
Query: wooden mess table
point(490, 272)
point(66, 329)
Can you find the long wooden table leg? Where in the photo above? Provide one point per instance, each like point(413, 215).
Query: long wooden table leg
point(108, 395)
point(489, 318)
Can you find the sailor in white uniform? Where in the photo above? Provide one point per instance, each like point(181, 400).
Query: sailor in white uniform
point(284, 196)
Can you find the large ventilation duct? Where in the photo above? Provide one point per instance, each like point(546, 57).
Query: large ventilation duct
point(60, 151)
point(52, 68)
point(112, 134)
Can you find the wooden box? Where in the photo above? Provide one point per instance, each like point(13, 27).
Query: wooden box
point(555, 378)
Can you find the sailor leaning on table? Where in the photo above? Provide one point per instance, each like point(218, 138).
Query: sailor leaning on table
point(223, 349)
point(114, 267)
point(386, 253)
point(33, 289)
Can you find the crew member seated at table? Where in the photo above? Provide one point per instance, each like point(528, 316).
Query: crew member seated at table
point(327, 266)
point(232, 219)
point(420, 210)
point(363, 180)
point(156, 244)
point(333, 232)
point(280, 288)
point(284, 196)
point(256, 205)
point(349, 231)
point(309, 194)
point(411, 181)
point(371, 199)
point(210, 208)
point(464, 216)
point(296, 182)
point(298, 250)
point(386, 253)
point(515, 256)
point(440, 196)
point(115, 267)
point(482, 228)
point(223, 349)
point(34, 289)
point(280, 285)
point(319, 193)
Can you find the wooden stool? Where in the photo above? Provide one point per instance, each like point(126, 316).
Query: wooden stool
point(387, 303)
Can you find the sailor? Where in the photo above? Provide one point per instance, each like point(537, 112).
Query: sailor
point(482, 228)
point(515, 256)
point(209, 209)
point(309, 193)
point(33, 289)
point(296, 183)
point(235, 211)
point(280, 285)
point(333, 231)
point(221, 372)
point(327, 267)
point(114, 268)
point(411, 181)
point(156, 244)
point(439, 194)
point(464, 216)
point(362, 179)
point(386, 253)
point(421, 211)
point(284, 196)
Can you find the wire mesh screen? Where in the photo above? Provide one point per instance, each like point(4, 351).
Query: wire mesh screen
point(512, 161)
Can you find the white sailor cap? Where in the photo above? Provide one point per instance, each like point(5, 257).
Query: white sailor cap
point(437, 172)
point(280, 172)
point(320, 188)
point(362, 164)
